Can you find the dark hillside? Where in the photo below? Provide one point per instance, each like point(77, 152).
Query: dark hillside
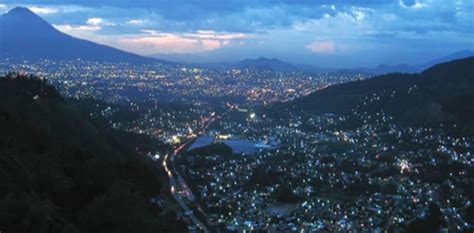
point(441, 94)
point(60, 171)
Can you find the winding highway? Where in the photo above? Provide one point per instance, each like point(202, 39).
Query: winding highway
point(178, 187)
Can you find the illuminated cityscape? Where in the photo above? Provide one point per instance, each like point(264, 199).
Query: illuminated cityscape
point(148, 119)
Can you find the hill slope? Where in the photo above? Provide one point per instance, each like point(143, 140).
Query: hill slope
point(442, 93)
point(60, 171)
point(26, 35)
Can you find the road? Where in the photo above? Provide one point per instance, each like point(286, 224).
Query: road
point(178, 187)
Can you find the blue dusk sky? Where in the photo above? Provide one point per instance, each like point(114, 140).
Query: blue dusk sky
point(337, 33)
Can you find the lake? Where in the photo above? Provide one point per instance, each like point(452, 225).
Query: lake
point(240, 146)
point(201, 141)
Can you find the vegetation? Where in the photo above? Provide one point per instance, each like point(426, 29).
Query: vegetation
point(62, 171)
point(440, 94)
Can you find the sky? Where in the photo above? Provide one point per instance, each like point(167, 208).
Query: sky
point(327, 33)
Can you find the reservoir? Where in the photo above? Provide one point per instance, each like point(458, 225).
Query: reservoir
point(241, 146)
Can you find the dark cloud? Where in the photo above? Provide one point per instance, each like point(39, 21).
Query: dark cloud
point(261, 15)
point(192, 9)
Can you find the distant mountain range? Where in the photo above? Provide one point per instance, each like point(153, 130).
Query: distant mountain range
point(261, 63)
point(278, 65)
point(407, 68)
point(25, 35)
point(442, 93)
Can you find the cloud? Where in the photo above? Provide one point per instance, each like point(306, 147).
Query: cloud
point(76, 29)
point(359, 15)
point(135, 21)
point(152, 42)
point(93, 24)
point(250, 16)
point(166, 43)
point(94, 21)
point(156, 42)
point(322, 47)
point(208, 45)
point(43, 10)
point(203, 34)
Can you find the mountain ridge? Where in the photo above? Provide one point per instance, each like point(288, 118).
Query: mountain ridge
point(439, 94)
point(266, 63)
point(416, 68)
point(26, 35)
